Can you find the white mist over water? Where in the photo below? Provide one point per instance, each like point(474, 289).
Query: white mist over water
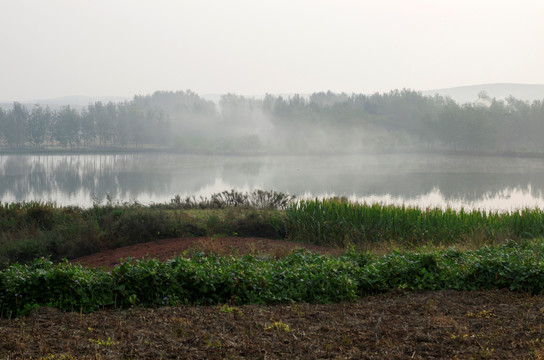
point(507, 200)
point(426, 181)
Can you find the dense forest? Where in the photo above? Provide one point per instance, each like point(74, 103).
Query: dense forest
point(321, 122)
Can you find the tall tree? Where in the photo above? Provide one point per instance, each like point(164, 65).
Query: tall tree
point(15, 125)
point(2, 123)
point(67, 127)
point(88, 126)
point(38, 126)
point(104, 118)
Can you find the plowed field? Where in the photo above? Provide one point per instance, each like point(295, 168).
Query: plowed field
point(396, 325)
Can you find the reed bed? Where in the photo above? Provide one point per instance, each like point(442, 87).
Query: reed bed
point(338, 222)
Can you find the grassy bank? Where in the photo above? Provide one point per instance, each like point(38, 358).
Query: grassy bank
point(33, 230)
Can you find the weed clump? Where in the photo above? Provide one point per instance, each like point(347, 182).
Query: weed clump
point(257, 199)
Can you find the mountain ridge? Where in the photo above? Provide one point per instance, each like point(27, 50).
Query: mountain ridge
point(461, 94)
point(469, 93)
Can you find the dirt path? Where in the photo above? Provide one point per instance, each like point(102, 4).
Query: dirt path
point(168, 248)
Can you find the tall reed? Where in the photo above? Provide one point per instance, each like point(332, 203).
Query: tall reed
point(338, 222)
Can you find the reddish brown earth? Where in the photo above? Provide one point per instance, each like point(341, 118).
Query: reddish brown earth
point(396, 325)
point(168, 248)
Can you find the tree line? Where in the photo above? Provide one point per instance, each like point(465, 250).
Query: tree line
point(99, 125)
point(325, 121)
point(407, 119)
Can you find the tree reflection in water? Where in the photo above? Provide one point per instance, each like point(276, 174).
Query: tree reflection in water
point(492, 183)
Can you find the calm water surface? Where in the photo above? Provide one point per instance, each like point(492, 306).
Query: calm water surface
point(490, 183)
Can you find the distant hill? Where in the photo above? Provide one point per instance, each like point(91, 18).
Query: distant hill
point(77, 102)
point(461, 94)
point(464, 94)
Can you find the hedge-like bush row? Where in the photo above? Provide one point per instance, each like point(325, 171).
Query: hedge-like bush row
point(300, 277)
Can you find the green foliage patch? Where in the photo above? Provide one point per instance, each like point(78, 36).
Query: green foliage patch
point(299, 277)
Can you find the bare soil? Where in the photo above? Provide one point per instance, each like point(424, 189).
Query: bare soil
point(397, 325)
point(168, 248)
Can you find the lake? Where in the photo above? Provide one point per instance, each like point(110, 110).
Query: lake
point(488, 183)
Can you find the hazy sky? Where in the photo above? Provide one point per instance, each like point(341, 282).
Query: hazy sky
point(52, 48)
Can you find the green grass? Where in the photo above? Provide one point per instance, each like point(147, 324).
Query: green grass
point(335, 222)
point(35, 229)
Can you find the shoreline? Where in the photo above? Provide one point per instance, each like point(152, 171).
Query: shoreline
point(124, 150)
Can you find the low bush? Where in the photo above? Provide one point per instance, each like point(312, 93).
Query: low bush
point(301, 277)
point(257, 199)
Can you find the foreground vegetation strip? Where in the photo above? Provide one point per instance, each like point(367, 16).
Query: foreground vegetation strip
point(299, 277)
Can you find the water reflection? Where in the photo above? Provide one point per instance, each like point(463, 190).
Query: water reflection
point(507, 200)
point(491, 183)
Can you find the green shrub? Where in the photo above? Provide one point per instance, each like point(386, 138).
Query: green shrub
point(301, 276)
point(42, 215)
point(257, 199)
